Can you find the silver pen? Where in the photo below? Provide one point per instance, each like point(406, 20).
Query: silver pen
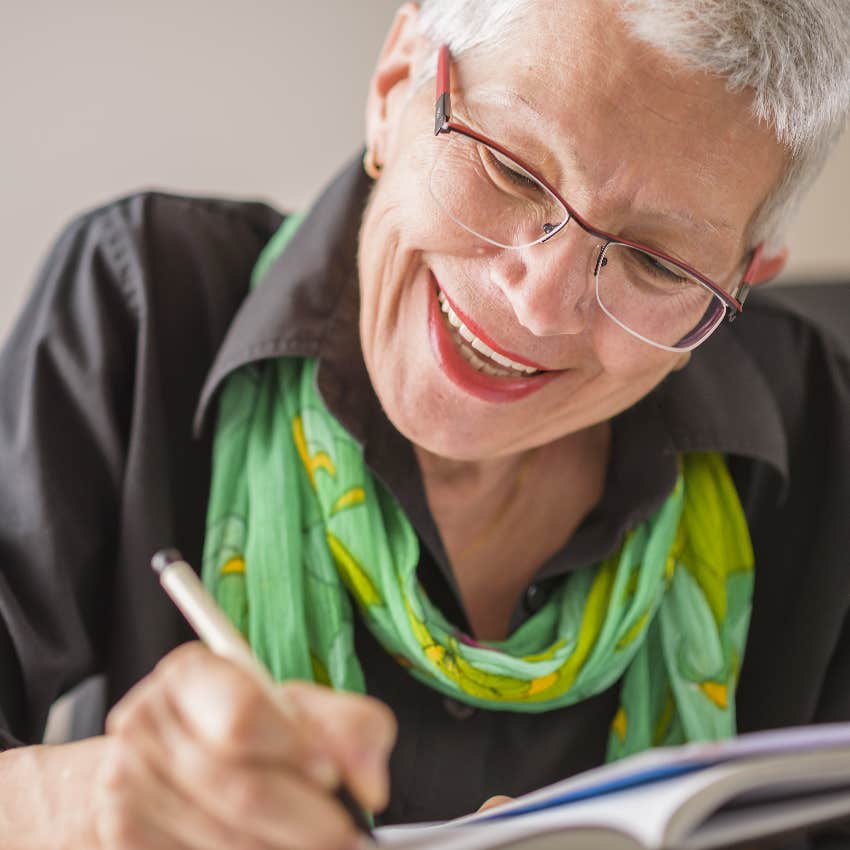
point(211, 625)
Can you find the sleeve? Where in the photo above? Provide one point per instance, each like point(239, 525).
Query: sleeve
point(65, 380)
point(829, 308)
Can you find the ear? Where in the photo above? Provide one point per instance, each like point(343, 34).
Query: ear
point(768, 267)
point(391, 79)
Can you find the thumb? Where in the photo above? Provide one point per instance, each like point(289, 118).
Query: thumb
point(357, 731)
point(494, 802)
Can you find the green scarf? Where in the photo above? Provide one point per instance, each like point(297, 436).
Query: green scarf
point(298, 527)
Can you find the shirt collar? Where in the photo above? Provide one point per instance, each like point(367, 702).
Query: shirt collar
point(308, 306)
point(722, 402)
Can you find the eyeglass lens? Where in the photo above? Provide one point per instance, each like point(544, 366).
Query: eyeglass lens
point(493, 197)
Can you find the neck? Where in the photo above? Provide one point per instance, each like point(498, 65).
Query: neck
point(468, 478)
point(467, 495)
point(502, 518)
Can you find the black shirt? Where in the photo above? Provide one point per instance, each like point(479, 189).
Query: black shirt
point(107, 398)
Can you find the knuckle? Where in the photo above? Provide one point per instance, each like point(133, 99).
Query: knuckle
point(116, 772)
point(239, 717)
point(215, 698)
point(180, 662)
point(138, 713)
point(375, 722)
point(246, 795)
point(118, 825)
point(297, 688)
point(127, 713)
point(116, 719)
point(205, 772)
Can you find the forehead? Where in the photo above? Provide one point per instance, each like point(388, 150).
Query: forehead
point(632, 128)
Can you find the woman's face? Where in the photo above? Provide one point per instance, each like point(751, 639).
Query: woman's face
point(639, 146)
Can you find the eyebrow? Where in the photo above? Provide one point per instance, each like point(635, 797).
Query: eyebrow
point(687, 219)
point(681, 217)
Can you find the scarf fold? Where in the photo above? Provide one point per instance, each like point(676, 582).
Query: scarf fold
point(298, 528)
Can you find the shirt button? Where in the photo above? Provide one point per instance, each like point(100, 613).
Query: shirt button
point(534, 598)
point(458, 710)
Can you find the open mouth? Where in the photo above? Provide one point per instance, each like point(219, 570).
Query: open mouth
point(474, 362)
point(481, 356)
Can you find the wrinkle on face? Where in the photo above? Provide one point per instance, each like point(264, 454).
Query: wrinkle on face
point(674, 127)
point(639, 145)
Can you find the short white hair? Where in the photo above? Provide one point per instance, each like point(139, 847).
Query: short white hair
point(793, 54)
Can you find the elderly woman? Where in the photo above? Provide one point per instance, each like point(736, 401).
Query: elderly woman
point(481, 441)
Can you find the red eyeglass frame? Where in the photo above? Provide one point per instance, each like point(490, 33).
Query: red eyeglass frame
point(445, 124)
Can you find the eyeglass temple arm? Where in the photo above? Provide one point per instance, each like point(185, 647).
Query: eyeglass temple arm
point(444, 104)
point(747, 280)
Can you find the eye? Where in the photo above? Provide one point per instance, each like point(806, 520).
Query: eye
point(507, 170)
point(660, 270)
point(646, 272)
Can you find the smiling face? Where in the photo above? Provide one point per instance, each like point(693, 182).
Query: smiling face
point(640, 146)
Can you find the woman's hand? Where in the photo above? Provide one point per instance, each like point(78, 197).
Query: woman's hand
point(203, 757)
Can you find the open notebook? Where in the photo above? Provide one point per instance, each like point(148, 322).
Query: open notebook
point(702, 795)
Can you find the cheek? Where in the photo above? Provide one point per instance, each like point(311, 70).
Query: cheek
point(627, 362)
point(403, 230)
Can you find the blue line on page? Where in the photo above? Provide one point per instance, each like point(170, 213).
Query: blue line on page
point(644, 777)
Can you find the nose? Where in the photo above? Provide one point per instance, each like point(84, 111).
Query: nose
point(549, 285)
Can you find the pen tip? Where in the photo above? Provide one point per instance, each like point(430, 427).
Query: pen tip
point(165, 558)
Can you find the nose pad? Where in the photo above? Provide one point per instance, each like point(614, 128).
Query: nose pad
point(550, 284)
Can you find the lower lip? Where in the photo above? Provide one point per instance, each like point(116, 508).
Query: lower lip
point(461, 373)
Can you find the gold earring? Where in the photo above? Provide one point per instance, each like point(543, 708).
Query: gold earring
point(370, 166)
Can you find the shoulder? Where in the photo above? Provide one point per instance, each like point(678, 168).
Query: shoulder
point(152, 212)
point(121, 268)
point(794, 344)
point(136, 293)
point(155, 239)
point(821, 308)
point(799, 335)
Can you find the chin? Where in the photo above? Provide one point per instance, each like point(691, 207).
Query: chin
point(435, 420)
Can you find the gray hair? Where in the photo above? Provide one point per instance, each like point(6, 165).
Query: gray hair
point(793, 54)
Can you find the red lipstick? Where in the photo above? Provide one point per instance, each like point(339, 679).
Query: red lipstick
point(491, 388)
point(476, 329)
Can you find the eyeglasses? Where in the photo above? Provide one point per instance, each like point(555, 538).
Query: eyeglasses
point(497, 197)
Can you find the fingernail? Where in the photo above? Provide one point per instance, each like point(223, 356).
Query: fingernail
point(323, 772)
point(375, 781)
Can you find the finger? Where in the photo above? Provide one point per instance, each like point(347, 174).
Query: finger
point(268, 803)
point(123, 799)
point(494, 802)
point(359, 731)
point(234, 715)
point(143, 804)
point(277, 807)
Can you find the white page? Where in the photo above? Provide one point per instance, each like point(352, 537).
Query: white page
point(625, 811)
point(822, 737)
point(652, 813)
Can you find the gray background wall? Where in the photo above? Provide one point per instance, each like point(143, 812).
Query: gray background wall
point(260, 98)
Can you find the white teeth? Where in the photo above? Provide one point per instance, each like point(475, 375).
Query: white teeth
point(502, 361)
point(478, 345)
point(479, 365)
